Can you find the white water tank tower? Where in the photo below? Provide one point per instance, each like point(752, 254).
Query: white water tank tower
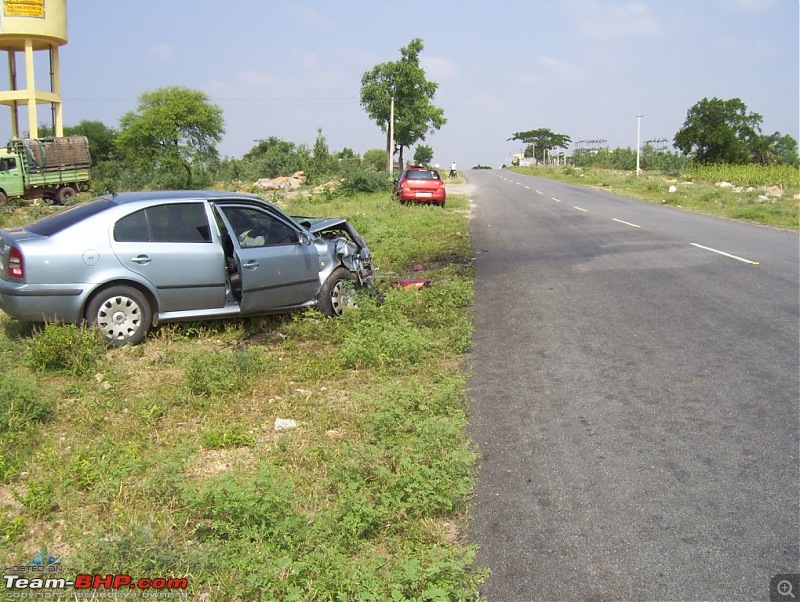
point(28, 27)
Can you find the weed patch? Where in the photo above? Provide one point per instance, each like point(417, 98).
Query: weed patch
point(67, 348)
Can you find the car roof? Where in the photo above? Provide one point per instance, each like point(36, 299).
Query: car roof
point(123, 198)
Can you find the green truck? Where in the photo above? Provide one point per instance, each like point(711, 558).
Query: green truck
point(50, 168)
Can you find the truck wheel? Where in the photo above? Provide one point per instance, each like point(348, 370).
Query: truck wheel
point(338, 292)
point(65, 194)
point(121, 313)
point(3, 198)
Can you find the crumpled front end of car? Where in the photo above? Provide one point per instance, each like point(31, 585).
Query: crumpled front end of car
point(345, 247)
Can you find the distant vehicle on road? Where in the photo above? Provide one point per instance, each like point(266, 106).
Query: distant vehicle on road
point(418, 184)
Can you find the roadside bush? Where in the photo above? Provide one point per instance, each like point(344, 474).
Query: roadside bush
point(215, 373)
point(382, 341)
point(21, 403)
point(66, 348)
point(364, 180)
point(21, 408)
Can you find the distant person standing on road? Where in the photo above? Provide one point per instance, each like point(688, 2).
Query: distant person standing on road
point(453, 173)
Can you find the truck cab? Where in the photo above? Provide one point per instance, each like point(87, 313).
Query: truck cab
point(12, 179)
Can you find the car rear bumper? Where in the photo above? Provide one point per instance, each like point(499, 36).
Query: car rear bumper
point(423, 197)
point(37, 303)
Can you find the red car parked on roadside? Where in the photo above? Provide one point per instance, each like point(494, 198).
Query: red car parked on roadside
point(418, 184)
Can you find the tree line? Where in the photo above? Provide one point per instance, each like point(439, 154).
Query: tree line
point(170, 140)
point(715, 131)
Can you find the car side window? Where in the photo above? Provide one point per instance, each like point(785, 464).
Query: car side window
point(178, 222)
point(132, 228)
point(255, 228)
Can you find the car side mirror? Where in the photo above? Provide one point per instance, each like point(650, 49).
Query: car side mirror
point(305, 238)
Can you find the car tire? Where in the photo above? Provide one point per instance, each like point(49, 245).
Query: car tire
point(121, 313)
point(338, 292)
point(3, 198)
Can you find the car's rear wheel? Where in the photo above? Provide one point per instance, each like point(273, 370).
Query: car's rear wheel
point(338, 292)
point(121, 313)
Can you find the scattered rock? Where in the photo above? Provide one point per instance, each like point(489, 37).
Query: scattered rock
point(724, 184)
point(673, 188)
point(284, 424)
point(776, 191)
point(281, 182)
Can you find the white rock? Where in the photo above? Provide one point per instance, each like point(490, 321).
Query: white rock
point(284, 424)
point(673, 188)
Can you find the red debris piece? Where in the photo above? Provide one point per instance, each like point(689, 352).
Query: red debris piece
point(411, 282)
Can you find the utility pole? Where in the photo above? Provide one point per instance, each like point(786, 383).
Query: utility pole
point(638, 144)
point(390, 145)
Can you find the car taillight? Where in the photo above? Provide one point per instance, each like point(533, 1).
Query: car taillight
point(16, 266)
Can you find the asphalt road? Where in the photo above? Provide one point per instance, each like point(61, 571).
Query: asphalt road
point(635, 397)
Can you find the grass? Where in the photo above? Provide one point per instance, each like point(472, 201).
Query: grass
point(753, 194)
point(162, 460)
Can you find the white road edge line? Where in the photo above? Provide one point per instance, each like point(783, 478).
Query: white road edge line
point(742, 259)
point(626, 223)
point(580, 209)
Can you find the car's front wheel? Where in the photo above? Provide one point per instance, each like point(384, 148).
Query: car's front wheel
point(338, 292)
point(121, 313)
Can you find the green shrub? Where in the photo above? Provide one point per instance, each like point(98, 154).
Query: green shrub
point(21, 404)
point(376, 343)
point(221, 438)
point(365, 181)
point(257, 506)
point(66, 348)
point(215, 373)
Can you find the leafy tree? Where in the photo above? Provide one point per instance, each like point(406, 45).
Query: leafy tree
point(541, 140)
point(423, 155)
point(272, 157)
point(101, 138)
point(375, 159)
point(172, 137)
point(775, 149)
point(719, 131)
point(404, 80)
point(321, 162)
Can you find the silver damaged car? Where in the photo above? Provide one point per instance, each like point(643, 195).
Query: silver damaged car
point(128, 261)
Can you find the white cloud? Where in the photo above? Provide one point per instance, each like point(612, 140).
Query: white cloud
point(161, 51)
point(526, 78)
point(308, 59)
point(748, 6)
point(560, 68)
point(486, 103)
point(439, 68)
point(606, 21)
point(313, 18)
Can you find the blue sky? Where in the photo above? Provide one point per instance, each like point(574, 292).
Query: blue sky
point(584, 68)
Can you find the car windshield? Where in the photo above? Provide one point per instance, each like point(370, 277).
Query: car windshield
point(72, 215)
point(422, 174)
